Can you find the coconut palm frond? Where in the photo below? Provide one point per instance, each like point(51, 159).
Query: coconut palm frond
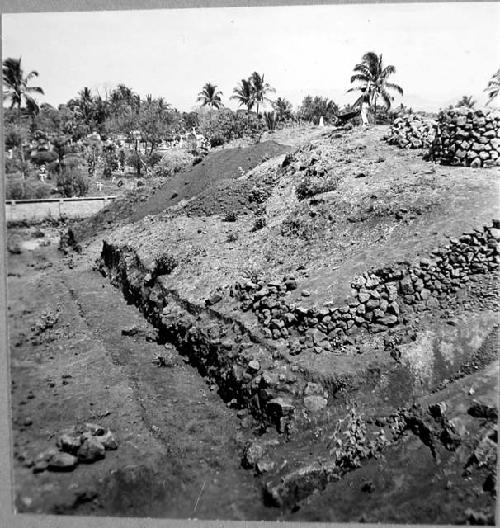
point(374, 75)
point(394, 87)
point(387, 98)
point(35, 89)
point(16, 83)
point(360, 77)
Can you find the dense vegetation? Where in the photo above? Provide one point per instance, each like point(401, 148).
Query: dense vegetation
point(92, 134)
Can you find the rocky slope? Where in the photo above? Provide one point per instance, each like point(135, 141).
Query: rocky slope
point(324, 293)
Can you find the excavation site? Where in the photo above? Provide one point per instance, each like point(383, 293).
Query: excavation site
point(252, 261)
point(314, 339)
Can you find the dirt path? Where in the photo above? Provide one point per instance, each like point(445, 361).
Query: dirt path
point(179, 446)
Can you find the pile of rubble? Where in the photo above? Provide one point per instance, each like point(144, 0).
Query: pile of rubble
point(85, 446)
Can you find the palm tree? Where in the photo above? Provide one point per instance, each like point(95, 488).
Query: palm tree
point(210, 96)
point(373, 76)
point(85, 104)
point(283, 109)
point(493, 86)
point(260, 89)
point(245, 95)
point(16, 83)
point(467, 101)
point(122, 100)
point(33, 110)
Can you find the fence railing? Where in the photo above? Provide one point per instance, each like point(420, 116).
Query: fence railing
point(56, 208)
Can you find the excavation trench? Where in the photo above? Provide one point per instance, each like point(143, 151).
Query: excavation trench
point(253, 374)
point(220, 347)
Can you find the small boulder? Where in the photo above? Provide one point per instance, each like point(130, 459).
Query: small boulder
point(90, 451)
point(69, 443)
point(109, 441)
point(264, 465)
point(95, 429)
point(63, 462)
point(252, 453)
point(315, 403)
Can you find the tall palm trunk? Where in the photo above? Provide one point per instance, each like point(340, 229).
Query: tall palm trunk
point(138, 158)
point(21, 150)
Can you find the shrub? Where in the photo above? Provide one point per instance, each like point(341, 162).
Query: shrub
point(232, 237)
point(15, 165)
point(309, 187)
point(44, 156)
point(153, 159)
point(230, 217)
point(313, 108)
point(18, 189)
point(270, 118)
point(164, 265)
point(14, 190)
point(136, 160)
point(259, 223)
point(173, 162)
point(226, 125)
point(72, 182)
point(258, 195)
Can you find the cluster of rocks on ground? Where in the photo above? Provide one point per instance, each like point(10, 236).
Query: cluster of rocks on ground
point(77, 446)
point(467, 137)
point(411, 131)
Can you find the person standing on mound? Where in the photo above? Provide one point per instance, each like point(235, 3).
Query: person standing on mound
point(365, 105)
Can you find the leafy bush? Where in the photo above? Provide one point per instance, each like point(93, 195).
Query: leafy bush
point(226, 125)
point(153, 159)
point(72, 182)
point(311, 186)
point(232, 237)
point(259, 223)
point(43, 156)
point(258, 195)
point(230, 217)
point(14, 190)
point(172, 162)
point(270, 118)
point(313, 108)
point(15, 165)
point(136, 160)
point(18, 189)
point(164, 265)
point(298, 227)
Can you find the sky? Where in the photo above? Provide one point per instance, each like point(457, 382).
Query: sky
point(441, 51)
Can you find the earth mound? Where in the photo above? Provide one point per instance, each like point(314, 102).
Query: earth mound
point(342, 299)
point(216, 169)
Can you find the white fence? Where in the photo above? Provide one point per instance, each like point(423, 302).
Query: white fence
point(33, 210)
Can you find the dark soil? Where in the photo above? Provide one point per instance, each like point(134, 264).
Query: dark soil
point(179, 445)
point(216, 170)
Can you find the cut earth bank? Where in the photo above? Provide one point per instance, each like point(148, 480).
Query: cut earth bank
point(344, 305)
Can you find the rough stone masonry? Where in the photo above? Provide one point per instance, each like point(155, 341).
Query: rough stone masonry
point(467, 137)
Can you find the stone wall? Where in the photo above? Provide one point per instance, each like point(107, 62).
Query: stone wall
point(379, 298)
point(467, 137)
point(411, 131)
point(255, 374)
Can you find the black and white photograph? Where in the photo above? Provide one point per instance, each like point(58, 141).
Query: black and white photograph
point(251, 260)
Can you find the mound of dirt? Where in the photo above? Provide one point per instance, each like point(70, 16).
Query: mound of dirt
point(215, 171)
